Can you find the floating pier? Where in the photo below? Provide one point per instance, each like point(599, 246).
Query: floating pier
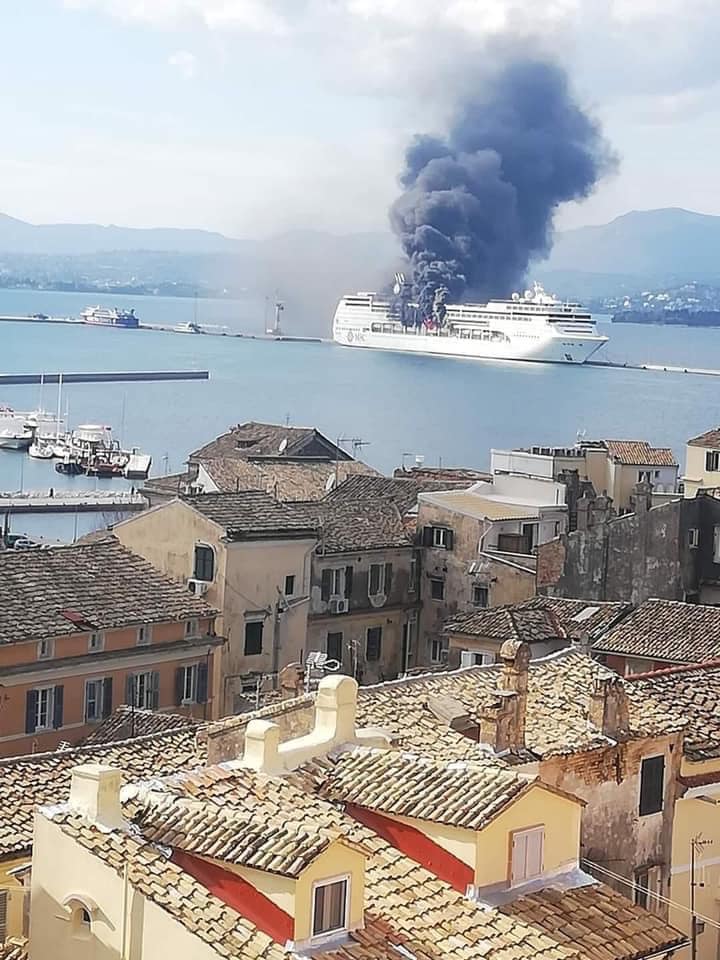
point(129, 376)
point(655, 367)
point(71, 501)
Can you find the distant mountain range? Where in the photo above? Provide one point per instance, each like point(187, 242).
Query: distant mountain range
point(310, 269)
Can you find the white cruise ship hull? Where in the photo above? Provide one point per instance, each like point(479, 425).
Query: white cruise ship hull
point(566, 349)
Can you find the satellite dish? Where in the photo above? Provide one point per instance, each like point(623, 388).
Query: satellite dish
point(330, 483)
point(516, 296)
point(396, 288)
point(283, 445)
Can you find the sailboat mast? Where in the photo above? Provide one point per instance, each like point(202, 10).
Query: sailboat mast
point(59, 410)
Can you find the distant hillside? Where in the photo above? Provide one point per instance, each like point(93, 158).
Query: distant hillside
point(655, 244)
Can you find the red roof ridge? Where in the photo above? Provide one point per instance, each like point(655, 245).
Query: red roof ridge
point(679, 668)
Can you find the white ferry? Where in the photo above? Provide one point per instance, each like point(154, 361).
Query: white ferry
point(110, 317)
point(535, 326)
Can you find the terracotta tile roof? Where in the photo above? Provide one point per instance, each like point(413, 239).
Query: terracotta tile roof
point(171, 888)
point(363, 524)
point(539, 619)
point(30, 781)
point(597, 922)
point(447, 476)
point(403, 491)
point(252, 439)
point(284, 479)
point(691, 692)
point(711, 438)
point(125, 723)
point(254, 514)
point(457, 793)
point(666, 630)
point(639, 453)
point(106, 584)
point(224, 835)
point(15, 949)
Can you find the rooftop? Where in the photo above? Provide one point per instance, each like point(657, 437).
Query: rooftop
point(539, 619)
point(459, 794)
point(126, 722)
point(284, 479)
point(692, 692)
point(252, 514)
point(403, 491)
point(448, 476)
point(666, 630)
point(254, 440)
point(711, 438)
point(481, 508)
point(351, 524)
point(97, 586)
point(639, 453)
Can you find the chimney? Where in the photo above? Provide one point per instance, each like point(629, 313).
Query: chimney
point(262, 743)
point(608, 707)
point(584, 505)
point(95, 794)
point(641, 498)
point(502, 722)
point(336, 708)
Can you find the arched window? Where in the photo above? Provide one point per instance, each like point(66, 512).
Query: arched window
point(82, 910)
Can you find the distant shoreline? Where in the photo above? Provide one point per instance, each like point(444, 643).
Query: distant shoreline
point(182, 294)
point(705, 319)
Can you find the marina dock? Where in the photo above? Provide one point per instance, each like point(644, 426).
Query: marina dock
point(129, 376)
point(654, 367)
point(71, 501)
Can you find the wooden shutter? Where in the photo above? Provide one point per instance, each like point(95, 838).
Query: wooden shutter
point(3, 915)
point(58, 707)
point(326, 584)
point(449, 539)
point(388, 579)
point(31, 699)
point(202, 683)
point(179, 685)
point(155, 690)
point(427, 536)
point(130, 690)
point(652, 777)
point(348, 582)
point(519, 857)
point(534, 853)
point(107, 695)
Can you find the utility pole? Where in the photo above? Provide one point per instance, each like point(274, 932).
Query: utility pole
point(696, 845)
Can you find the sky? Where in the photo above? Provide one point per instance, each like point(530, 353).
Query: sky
point(257, 116)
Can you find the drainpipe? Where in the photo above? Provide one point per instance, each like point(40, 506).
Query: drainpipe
point(276, 644)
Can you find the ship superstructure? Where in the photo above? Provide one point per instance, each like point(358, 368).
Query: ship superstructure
point(110, 317)
point(532, 326)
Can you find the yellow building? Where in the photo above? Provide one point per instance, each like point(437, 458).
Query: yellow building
point(331, 843)
point(693, 692)
point(702, 463)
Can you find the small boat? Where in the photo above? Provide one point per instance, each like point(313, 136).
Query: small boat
point(69, 467)
point(187, 328)
point(41, 449)
point(14, 434)
point(138, 466)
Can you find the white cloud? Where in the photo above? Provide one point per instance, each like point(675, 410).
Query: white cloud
point(185, 62)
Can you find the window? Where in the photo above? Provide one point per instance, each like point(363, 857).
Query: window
point(438, 652)
point(373, 643)
point(96, 641)
point(437, 589)
point(98, 699)
point(204, 565)
point(648, 887)
point(526, 855)
point(712, 461)
point(43, 709)
point(336, 582)
point(475, 658)
point(143, 690)
point(652, 783)
point(192, 628)
point(376, 581)
point(716, 544)
point(412, 585)
point(191, 683)
point(253, 638)
point(290, 585)
point(641, 890)
point(334, 646)
point(144, 635)
point(693, 538)
point(480, 594)
point(441, 537)
point(45, 649)
point(330, 907)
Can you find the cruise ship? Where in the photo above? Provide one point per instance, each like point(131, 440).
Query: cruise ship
point(110, 317)
point(531, 326)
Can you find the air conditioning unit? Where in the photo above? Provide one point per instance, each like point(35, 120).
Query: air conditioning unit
point(198, 588)
point(377, 600)
point(339, 605)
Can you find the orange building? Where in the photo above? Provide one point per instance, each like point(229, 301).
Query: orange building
point(88, 627)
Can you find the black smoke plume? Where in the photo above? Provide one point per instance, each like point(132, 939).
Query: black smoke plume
point(478, 204)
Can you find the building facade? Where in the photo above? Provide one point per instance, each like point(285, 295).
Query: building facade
point(702, 463)
point(88, 627)
point(249, 556)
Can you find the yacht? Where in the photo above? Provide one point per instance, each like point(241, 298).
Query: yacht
point(533, 326)
point(15, 434)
